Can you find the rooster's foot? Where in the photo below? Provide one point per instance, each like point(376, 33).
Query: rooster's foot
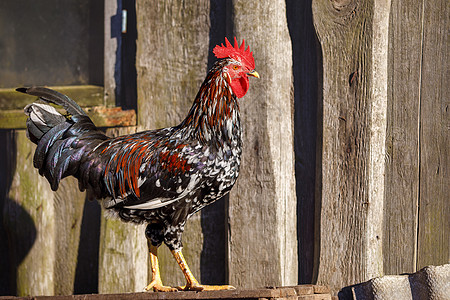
point(157, 286)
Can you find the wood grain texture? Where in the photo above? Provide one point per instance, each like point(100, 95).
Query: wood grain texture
point(43, 227)
point(123, 254)
point(171, 61)
point(417, 211)
point(123, 262)
point(262, 220)
point(353, 142)
point(378, 125)
point(85, 95)
point(68, 204)
point(101, 116)
point(434, 204)
point(402, 165)
point(112, 52)
point(281, 293)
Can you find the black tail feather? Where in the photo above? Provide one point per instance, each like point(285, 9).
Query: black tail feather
point(63, 143)
point(33, 133)
point(46, 143)
point(54, 97)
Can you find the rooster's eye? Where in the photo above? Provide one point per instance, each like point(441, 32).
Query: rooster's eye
point(235, 67)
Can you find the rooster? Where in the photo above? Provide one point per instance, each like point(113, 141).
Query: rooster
point(158, 177)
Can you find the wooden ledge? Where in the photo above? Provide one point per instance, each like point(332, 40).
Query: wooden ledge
point(310, 292)
point(84, 95)
point(89, 97)
point(101, 116)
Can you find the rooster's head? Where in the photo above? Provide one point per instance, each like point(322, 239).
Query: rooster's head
point(241, 64)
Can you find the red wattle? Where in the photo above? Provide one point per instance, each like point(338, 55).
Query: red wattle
point(240, 86)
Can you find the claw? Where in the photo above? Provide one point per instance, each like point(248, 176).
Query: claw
point(156, 283)
point(159, 287)
point(191, 283)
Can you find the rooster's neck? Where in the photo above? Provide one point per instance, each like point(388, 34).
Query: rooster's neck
point(214, 116)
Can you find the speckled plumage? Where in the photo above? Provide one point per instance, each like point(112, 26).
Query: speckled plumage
point(160, 177)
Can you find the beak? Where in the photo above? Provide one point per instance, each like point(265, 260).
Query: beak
point(253, 73)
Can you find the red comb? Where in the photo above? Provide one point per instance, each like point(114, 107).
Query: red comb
point(236, 52)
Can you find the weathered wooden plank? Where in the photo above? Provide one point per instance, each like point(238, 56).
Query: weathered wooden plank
point(12, 119)
point(112, 51)
point(377, 113)
point(101, 116)
point(123, 254)
point(68, 205)
point(294, 292)
point(42, 226)
point(84, 95)
point(434, 204)
point(354, 45)
point(402, 165)
point(171, 62)
point(123, 262)
point(262, 234)
point(111, 117)
point(171, 59)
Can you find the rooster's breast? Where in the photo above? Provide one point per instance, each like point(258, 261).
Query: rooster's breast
point(220, 173)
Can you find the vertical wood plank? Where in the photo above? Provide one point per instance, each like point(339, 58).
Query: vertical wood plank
point(434, 208)
point(69, 203)
point(378, 125)
point(402, 165)
point(123, 253)
point(262, 206)
point(112, 51)
point(354, 46)
point(123, 262)
point(43, 227)
point(172, 52)
point(172, 56)
point(343, 32)
point(31, 204)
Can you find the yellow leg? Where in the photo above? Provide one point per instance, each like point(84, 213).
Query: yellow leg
point(191, 283)
point(156, 283)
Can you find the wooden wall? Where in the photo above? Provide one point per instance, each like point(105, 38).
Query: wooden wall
point(417, 143)
point(345, 164)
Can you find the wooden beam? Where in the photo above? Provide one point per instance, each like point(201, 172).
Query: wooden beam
point(101, 116)
point(123, 254)
point(262, 229)
point(84, 95)
point(43, 226)
point(353, 36)
point(112, 51)
point(434, 135)
point(402, 141)
point(310, 292)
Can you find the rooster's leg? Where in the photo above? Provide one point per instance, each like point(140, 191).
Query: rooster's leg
point(156, 283)
point(191, 283)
